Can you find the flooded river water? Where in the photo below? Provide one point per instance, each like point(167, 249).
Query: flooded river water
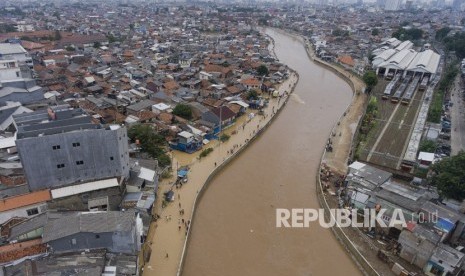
point(234, 229)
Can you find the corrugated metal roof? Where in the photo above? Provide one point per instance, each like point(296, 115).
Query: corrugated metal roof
point(10, 48)
point(83, 188)
point(89, 222)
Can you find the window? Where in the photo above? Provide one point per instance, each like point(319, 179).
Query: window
point(97, 236)
point(59, 166)
point(80, 162)
point(17, 74)
point(57, 147)
point(75, 145)
point(111, 158)
point(33, 211)
point(73, 241)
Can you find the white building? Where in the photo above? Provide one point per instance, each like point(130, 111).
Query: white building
point(9, 70)
point(16, 52)
point(392, 5)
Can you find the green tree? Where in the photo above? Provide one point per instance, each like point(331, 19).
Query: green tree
point(456, 43)
point(224, 137)
point(111, 38)
point(252, 95)
point(442, 33)
point(428, 146)
point(97, 44)
point(150, 142)
point(183, 111)
point(57, 35)
point(449, 176)
point(262, 70)
point(408, 34)
point(375, 32)
point(70, 48)
point(370, 79)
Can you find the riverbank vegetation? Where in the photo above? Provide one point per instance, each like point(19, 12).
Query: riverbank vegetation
point(224, 137)
point(370, 79)
point(447, 80)
point(206, 152)
point(368, 124)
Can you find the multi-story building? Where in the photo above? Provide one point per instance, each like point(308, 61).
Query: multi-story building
point(392, 5)
point(17, 52)
point(61, 146)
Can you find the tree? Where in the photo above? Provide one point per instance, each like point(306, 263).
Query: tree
point(262, 70)
point(370, 79)
point(375, 32)
point(408, 34)
point(150, 142)
point(442, 33)
point(183, 111)
point(428, 146)
point(449, 176)
point(252, 95)
point(57, 35)
point(70, 48)
point(97, 44)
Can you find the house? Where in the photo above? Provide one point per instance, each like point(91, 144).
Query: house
point(187, 142)
point(445, 261)
point(251, 83)
point(115, 231)
point(7, 112)
point(418, 243)
point(219, 116)
point(205, 76)
point(24, 205)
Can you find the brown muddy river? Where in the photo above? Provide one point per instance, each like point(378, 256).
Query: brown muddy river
point(234, 229)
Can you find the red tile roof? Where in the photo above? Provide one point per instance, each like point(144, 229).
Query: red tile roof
point(15, 202)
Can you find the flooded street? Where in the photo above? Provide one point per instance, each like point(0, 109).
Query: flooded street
point(234, 229)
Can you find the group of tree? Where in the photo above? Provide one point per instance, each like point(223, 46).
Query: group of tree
point(183, 111)
point(340, 32)
point(449, 176)
point(456, 43)
point(150, 142)
point(7, 28)
point(408, 34)
point(442, 33)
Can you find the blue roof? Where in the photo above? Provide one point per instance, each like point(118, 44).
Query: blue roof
point(182, 173)
point(445, 225)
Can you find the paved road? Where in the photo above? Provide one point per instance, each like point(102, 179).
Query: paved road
point(458, 118)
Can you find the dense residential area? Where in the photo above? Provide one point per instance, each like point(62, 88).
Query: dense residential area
point(105, 107)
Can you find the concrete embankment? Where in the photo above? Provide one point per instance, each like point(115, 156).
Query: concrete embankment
point(286, 90)
point(352, 115)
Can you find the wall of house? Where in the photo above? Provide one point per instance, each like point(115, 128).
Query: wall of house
point(101, 154)
point(22, 212)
